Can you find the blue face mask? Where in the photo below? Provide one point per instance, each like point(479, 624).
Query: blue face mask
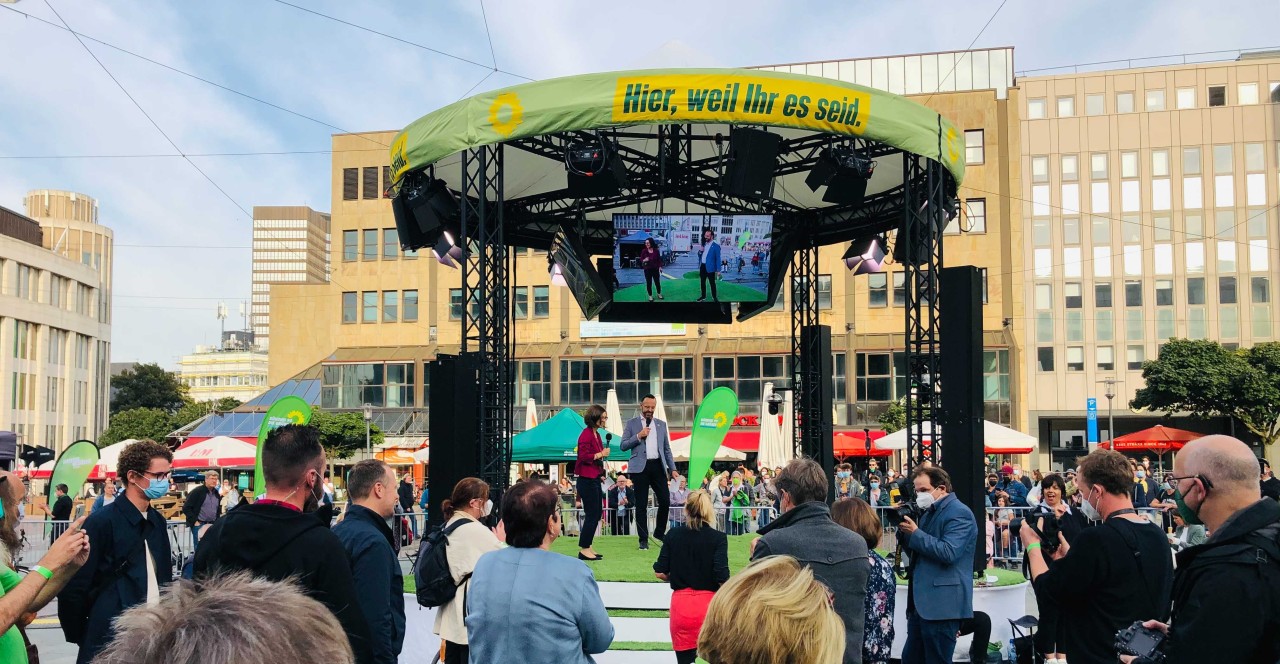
point(875, 485)
point(843, 474)
point(156, 489)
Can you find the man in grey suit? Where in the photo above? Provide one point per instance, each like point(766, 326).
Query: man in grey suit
point(650, 466)
point(940, 594)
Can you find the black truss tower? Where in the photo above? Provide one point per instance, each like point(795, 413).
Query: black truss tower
point(805, 377)
point(925, 213)
point(486, 312)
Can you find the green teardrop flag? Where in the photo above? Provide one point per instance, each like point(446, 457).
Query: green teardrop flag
point(288, 410)
point(74, 465)
point(710, 425)
point(744, 239)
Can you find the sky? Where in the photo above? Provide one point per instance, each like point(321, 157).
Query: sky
point(183, 226)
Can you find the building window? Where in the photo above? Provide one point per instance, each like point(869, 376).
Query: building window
point(1155, 100)
point(520, 302)
point(1186, 98)
point(1260, 290)
point(1070, 168)
point(370, 241)
point(369, 307)
point(1229, 322)
point(995, 375)
point(1039, 169)
point(1095, 104)
point(1071, 231)
point(1075, 358)
point(1222, 160)
point(455, 304)
point(899, 289)
point(535, 381)
point(409, 306)
point(1066, 107)
point(976, 211)
point(1275, 92)
point(1261, 321)
point(1217, 95)
point(1075, 326)
point(1164, 292)
point(1124, 104)
point(1035, 109)
point(1104, 325)
point(386, 182)
point(1164, 324)
point(1191, 161)
point(1196, 324)
point(350, 386)
point(1133, 293)
point(1044, 358)
point(350, 245)
point(1106, 358)
point(1075, 299)
point(1163, 228)
point(1098, 166)
point(982, 271)
point(878, 289)
point(1227, 290)
point(1044, 326)
point(349, 307)
point(371, 183)
point(746, 374)
point(1195, 290)
point(350, 184)
point(1102, 296)
point(824, 291)
point(390, 306)
point(875, 377)
point(1128, 164)
point(390, 244)
point(1040, 235)
point(1247, 93)
point(974, 152)
point(541, 301)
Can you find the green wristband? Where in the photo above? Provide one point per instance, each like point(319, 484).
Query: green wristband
point(1033, 546)
point(42, 571)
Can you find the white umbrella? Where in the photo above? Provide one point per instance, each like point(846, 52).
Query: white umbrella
point(997, 439)
point(659, 411)
point(614, 411)
point(771, 453)
point(423, 455)
point(216, 452)
point(788, 428)
point(680, 450)
point(530, 414)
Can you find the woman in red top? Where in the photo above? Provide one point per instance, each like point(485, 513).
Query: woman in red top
point(651, 262)
point(589, 469)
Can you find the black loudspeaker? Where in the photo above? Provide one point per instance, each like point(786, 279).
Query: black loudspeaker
point(595, 170)
point(815, 355)
point(454, 414)
point(753, 156)
point(962, 445)
point(421, 209)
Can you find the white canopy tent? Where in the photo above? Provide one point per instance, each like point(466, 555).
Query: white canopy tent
point(997, 439)
point(680, 450)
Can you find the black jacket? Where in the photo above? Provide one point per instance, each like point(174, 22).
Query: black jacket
point(195, 500)
point(379, 582)
point(405, 493)
point(1226, 593)
point(115, 576)
point(1270, 488)
point(277, 542)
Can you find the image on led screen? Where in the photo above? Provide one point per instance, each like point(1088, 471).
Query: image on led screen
point(673, 249)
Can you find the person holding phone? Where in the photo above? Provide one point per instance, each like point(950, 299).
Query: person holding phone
point(589, 469)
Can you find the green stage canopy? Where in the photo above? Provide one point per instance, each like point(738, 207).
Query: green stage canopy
point(699, 96)
point(556, 441)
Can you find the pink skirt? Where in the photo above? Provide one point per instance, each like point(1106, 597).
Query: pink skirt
point(688, 611)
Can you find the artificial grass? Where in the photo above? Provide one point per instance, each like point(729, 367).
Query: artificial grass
point(641, 645)
point(624, 561)
point(689, 290)
point(639, 613)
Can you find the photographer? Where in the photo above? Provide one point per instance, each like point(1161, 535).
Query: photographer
point(940, 593)
point(1110, 575)
point(1051, 517)
point(1216, 479)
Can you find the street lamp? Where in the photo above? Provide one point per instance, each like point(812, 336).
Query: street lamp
point(368, 417)
point(1110, 394)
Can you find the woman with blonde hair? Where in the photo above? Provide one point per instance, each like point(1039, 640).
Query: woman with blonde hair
point(695, 561)
point(773, 611)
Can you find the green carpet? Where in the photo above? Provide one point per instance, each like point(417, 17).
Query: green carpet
point(641, 645)
point(639, 613)
point(689, 290)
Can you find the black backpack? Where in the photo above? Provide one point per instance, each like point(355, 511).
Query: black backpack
point(435, 586)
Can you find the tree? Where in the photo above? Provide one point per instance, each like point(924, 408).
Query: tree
point(342, 433)
point(1207, 380)
point(147, 386)
point(192, 411)
point(137, 423)
point(894, 418)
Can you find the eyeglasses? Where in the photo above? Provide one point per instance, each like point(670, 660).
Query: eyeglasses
point(156, 476)
point(1208, 486)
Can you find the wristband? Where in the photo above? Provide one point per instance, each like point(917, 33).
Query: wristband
point(42, 571)
point(1033, 546)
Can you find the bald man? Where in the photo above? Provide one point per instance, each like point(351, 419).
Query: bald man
point(1216, 478)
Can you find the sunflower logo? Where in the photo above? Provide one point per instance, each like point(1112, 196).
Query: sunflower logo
point(296, 417)
point(506, 113)
point(721, 419)
point(953, 145)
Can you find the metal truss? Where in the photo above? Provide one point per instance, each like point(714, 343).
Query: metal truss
point(806, 377)
point(486, 314)
point(924, 209)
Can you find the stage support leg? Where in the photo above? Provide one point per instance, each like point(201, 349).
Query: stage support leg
point(962, 392)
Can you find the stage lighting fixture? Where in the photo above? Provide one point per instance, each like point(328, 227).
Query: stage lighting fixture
point(595, 169)
point(844, 172)
point(557, 277)
point(421, 208)
point(443, 251)
point(866, 255)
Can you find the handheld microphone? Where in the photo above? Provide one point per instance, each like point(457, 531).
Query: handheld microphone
point(608, 438)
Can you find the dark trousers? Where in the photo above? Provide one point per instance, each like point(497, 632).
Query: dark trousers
point(687, 656)
point(456, 653)
point(620, 520)
point(592, 497)
point(980, 627)
point(929, 641)
point(652, 279)
point(704, 277)
point(655, 477)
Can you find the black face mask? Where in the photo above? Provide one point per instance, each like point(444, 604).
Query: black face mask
point(992, 482)
point(312, 503)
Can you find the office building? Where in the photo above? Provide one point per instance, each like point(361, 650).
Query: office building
point(232, 370)
point(290, 246)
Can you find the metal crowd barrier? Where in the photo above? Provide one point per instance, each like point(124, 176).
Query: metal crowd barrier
point(731, 520)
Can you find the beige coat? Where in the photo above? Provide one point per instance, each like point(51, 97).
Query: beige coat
point(466, 545)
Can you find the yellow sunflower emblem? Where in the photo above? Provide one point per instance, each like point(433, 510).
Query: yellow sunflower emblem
point(508, 104)
point(296, 417)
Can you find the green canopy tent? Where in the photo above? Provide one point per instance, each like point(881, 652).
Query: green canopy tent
point(556, 441)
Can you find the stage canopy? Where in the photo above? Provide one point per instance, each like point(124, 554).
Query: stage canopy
point(556, 441)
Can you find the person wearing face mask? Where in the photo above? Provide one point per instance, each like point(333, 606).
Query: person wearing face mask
point(940, 589)
point(1226, 594)
point(130, 560)
point(371, 548)
point(468, 539)
point(527, 603)
point(1110, 575)
point(1145, 492)
point(874, 495)
point(846, 485)
point(279, 536)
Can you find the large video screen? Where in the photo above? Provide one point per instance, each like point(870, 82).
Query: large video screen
point(692, 257)
point(580, 275)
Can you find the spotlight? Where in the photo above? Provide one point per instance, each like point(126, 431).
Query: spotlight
point(844, 172)
point(421, 208)
point(595, 169)
point(444, 249)
point(865, 255)
point(775, 402)
point(557, 277)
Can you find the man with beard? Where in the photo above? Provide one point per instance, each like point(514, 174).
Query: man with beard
point(278, 536)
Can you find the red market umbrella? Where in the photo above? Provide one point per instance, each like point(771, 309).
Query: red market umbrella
point(1158, 439)
point(852, 444)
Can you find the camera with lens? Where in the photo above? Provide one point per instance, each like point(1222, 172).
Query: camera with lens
point(1045, 524)
point(909, 510)
point(1140, 641)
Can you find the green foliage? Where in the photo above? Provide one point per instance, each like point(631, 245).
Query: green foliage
point(342, 434)
point(192, 411)
point(894, 418)
point(1207, 380)
point(148, 386)
point(137, 423)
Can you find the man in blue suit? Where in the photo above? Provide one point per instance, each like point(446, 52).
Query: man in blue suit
point(940, 593)
point(709, 264)
point(650, 466)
